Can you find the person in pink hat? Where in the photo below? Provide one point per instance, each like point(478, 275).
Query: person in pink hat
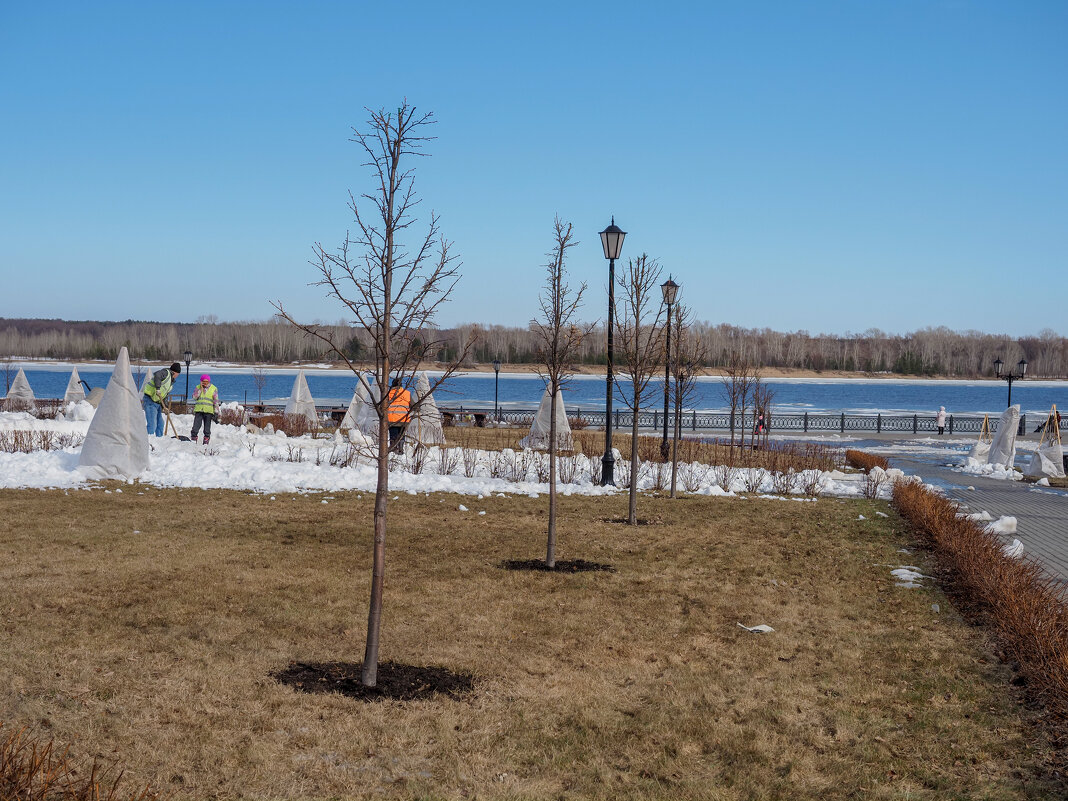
point(205, 407)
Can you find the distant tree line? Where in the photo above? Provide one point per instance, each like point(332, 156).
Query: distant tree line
point(929, 351)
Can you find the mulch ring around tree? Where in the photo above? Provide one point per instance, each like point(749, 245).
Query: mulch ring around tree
point(396, 682)
point(563, 566)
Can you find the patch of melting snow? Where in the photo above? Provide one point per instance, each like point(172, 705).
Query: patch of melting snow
point(907, 576)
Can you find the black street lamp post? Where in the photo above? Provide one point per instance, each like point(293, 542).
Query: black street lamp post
point(670, 289)
point(496, 378)
point(612, 242)
point(188, 358)
point(1021, 367)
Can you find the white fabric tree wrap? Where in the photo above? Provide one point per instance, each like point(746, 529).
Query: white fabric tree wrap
point(425, 425)
point(361, 414)
point(1003, 448)
point(116, 445)
point(74, 391)
point(1048, 459)
point(980, 451)
point(301, 403)
point(20, 397)
point(538, 438)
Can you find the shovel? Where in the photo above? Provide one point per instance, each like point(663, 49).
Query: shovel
point(170, 422)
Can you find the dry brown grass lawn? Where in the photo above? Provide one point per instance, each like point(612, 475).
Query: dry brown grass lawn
point(155, 649)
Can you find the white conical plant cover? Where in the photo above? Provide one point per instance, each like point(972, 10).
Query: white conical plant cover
point(1048, 459)
point(301, 402)
point(425, 426)
point(980, 451)
point(19, 397)
point(538, 438)
point(361, 414)
point(74, 391)
point(1003, 448)
point(116, 445)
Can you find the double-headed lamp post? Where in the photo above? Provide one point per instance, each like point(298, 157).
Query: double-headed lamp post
point(188, 358)
point(670, 289)
point(612, 242)
point(1021, 367)
point(496, 378)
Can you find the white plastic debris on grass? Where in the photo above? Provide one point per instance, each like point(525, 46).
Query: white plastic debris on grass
point(907, 576)
point(762, 628)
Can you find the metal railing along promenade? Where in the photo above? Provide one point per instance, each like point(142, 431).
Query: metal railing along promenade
point(693, 420)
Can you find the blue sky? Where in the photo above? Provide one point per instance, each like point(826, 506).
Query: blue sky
point(828, 166)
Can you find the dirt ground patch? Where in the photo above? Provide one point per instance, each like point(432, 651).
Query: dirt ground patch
point(148, 626)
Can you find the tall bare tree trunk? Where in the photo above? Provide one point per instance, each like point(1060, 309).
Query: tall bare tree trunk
point(550, 548)
point(635, 464)
point(369, 672)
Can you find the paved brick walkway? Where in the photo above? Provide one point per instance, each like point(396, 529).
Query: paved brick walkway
point(1041, 513)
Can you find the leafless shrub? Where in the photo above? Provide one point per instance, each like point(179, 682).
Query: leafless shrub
point(594, 465)
point(418, 459)
point(46, 409)
point(292, 425)
point(294, 454)
point(725, 475)
point(540, 462)
point(470, 458)
point(568, 467)
point(874, 482)
point(661, 474)
point(517, 466)
point(784, 482)
point(810, 482)
point(752, 478)
point(498, 465)
point(230, 416)
point(448, 460)
point(23, 441)
point(693, 475)
point(345, 456)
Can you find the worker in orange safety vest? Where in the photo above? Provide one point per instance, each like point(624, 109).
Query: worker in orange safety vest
point(400, 401)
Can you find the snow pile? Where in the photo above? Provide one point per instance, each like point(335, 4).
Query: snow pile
point(244, 458)
point(907, 576)
point(1014, 551)
point(988, 470)
point(1003, 525)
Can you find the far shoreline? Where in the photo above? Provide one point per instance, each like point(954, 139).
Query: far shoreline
point(767, 373)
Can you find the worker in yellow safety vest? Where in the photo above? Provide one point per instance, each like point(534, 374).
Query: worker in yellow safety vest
point(157, 388)
point(400, 401)
point(205, 407)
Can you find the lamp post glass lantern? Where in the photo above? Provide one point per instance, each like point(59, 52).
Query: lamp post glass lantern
point(1021, 371)
point(188, 358)
point(496, 378)
point(670, 290)
point(612, 242)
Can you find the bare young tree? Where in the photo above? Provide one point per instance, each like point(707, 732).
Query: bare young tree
point(686, 361)
point(640, 336)
point(763, 395)
point(738, 389)
point(259, 378)
point(559, 338)
point(392, 293)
